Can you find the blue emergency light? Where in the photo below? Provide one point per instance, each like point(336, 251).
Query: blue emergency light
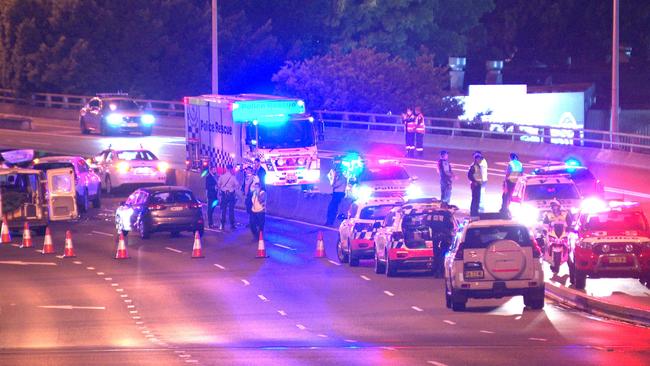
point(573, 162)
point(267, 111)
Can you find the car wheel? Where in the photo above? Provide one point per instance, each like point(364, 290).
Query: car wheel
point(380, 267)
point(108, 185)
point(391, 268)
point(580, 280)
point(83, 126)
point(458, 303)
point(145, 233)
point(354, 261)
point(343, 257)
point(447, 297)
point(83, 203)
point(535, 299)
point(97, 201)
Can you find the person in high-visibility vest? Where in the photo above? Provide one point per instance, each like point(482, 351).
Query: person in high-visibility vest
point(408, 119)
point(475, 177)
point(420, 129)
point(514, 170)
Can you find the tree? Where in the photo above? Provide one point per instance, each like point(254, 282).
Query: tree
point(365, 80)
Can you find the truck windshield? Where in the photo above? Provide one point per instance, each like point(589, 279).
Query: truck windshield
point(298, 133)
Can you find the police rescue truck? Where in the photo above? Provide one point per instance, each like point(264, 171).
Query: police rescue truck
point(224, 129)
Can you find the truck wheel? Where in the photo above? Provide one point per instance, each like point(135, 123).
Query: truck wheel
point(343, 257)
point(580, 280)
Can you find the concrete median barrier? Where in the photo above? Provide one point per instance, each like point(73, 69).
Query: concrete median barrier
point(596, 306)
point(12, 122)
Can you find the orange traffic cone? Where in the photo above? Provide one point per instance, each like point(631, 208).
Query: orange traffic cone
point(197, 252)
point(6, 235)
point(48, 247)
point(121, 248)
point(320, 246)
point(68, 251)
point(27, 237)
point(261, 250)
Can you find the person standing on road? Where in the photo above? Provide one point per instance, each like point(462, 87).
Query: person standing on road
point(420, 130)
point(228, 187)
point(211, 193)
point(513, 172)
point(484, 180)
point(260, 172)
point(258, 209)
point(446, 176)
point(476, 181)
point(408, 119)
point(249, 179)
point(339, 183)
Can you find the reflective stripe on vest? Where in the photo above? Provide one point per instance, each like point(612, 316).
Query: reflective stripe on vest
point(419, 124)
point(409, 122)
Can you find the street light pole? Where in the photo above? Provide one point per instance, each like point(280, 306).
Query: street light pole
point(613, 126)
point(215, 50)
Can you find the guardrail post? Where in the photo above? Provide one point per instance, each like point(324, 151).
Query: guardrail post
point(371, 119)
point(65, 102)
point(48, 100)
point(344, 117)
point(172, 106)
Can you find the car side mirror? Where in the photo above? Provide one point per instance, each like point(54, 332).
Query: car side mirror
point(342, 216)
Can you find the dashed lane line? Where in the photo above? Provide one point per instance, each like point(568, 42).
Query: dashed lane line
point(90, 268)
point(282, 312)
point(416, 308)
point(389, 293)
point(538, 339)
point(245, 282)
point(101, 233)
point(365, 277)
point(220, 266)
point(334, 263)
point(486, 331)
point(301, 327)
point(174, 250)
point(284, 246)
point(449, 322)
point(263, 298)
point(436, 363)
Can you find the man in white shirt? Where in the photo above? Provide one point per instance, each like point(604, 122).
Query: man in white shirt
point(258, 209)
point(228, 186)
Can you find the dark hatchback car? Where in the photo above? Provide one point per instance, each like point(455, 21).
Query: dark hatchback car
point(160, 208)
point(586, 182)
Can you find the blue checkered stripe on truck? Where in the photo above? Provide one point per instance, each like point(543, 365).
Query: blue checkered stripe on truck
point(217, 157)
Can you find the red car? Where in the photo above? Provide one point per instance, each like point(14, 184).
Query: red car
point(613, 243)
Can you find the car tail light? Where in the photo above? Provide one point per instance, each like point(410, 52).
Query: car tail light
point(156, 207)
point(402, 254)
point(163, 166)
point(123, 167)
point(195, 205)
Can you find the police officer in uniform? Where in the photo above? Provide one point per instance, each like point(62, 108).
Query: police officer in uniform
point(211, 193)
point(475, 177)
point(228, 186)
point(420, 129)
point(408, 119)
point(513, 172)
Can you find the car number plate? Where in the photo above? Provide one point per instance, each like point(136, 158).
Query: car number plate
point(619, 259)
point(132, 124)
point(177, 208)
point(473, 274)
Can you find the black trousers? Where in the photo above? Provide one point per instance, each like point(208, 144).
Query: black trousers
point(333, 207)
point(228, 206)
point(419, 142)
point(476, 199)
point(410, 141)
point(507, 195)
point(212, 203)
point(257, 223)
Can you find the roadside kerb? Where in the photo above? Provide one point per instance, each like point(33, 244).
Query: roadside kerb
point(596, 306)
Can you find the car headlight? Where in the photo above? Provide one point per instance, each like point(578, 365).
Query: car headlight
point(301, 161)
point(280, 162)
point(163, 166)
point(361, 193)
point(525, 213)
point(123, 167)
point(593, 205)
point(114, 119)
point(414, 191)
point(148, 119)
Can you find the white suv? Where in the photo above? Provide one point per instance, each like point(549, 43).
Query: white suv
point(493, 258)
point(356, 232)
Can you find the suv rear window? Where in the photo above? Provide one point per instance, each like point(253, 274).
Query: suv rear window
point(422, 227)
point(539, 192)
point(172, 197)
point(389, 172)
point(481, 237)
point(375, 212)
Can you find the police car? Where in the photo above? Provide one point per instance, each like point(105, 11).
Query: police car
point(407, 236)
point(614, 242)
point(491, 258)
point(356, 232)
point(132, 166)
point(533, 195)
point(383, 178)
point(587, 183)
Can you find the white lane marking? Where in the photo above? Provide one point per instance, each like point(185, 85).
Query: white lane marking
point(416, 308)
point(174, 250)
point(100, 273)
point(145, 331)
point(282, 312)
point(436, 363)
point(626, 192)
point(139, 322)
point(486, 331)
point(518, 317)
point(15, 245)
point(284, 246)
point(101, 233)
point(365, 277)
point(389, 293)
point(60, 256)
point(538, 339)
point(90, 268)
point(334, 263)
point(322, 335)
point(21, 263)
point(108, 278)
point(389, 348)
point(350, 340)
point(119, 290)
point(114, 284)
point(246, 283)
point(133, 312)
point(72, 307)
point(136, 317)
point(219, 266)
point(128, 301)
point(124, 295)
point(130, 306)
point(301, 327)
point(449, 322)
point(184, 355)
point(263, 298)
point(77, 262)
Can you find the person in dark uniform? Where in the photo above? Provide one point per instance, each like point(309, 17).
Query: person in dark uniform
point(211, 193)
point(446, 176)
point(475, 177)
point(339, 183)
point(260, 172)
point(408, 119)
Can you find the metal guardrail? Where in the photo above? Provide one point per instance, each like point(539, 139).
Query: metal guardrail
point(387, 122)
point(493, 130)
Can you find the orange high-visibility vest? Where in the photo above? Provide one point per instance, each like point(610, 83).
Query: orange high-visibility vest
point(419, 124)
point(409, 123)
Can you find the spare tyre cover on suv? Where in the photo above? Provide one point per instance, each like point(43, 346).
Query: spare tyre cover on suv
point(504, 260)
